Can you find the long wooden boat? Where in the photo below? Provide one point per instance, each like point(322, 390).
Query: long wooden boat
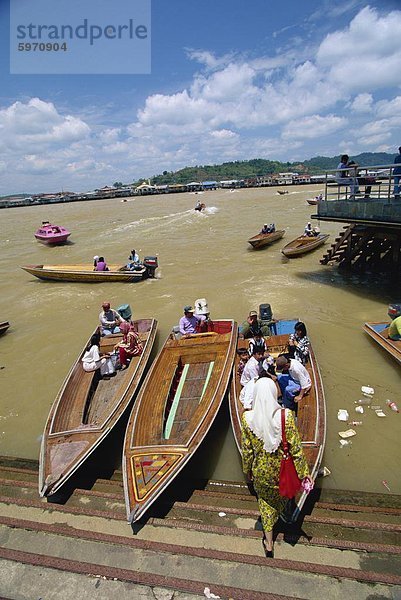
point(85, 273)
point(311, 411)
point(264, 239)
point(174, 411)
point(303, 244)
point(86, 409)
point(379, 332)
point(4, 325)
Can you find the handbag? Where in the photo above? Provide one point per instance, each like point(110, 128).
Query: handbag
point(289, 482)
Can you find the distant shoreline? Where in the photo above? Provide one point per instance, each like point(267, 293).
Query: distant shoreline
point(23, 202)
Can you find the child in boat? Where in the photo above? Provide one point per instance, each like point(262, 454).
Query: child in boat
point(257, 341)
point(243, 359)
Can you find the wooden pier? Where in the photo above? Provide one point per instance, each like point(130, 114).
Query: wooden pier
point(371, 240)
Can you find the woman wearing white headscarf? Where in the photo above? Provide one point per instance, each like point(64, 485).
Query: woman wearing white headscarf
point(262, 453)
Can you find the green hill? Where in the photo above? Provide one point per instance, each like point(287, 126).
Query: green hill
point(257, 167)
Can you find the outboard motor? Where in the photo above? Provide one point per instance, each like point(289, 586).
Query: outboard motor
point(125, 312)
point(394, 310)
point(266, 316)
point(265, 312)
point(151, 264)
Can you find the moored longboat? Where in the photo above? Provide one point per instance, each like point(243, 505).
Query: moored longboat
point(311, 419)
point(175, 409)
point(86, 409)
point(379, 332)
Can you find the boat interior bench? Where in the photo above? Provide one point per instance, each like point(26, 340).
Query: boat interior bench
point(77, 391)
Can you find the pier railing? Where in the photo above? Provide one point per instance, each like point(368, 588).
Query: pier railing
point(376, 199)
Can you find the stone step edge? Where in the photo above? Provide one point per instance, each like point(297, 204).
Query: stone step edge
point(322, 505)
point(162, 547)
point(307, 519)
point(347, 523)
point(33, 485)
point(135, 577)
point(300, 538)
point(229, 531)
point(213, 483)
point(241, 511)
point(17, 460)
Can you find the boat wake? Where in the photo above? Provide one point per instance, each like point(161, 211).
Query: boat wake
point(209, 210)
point(149, 224)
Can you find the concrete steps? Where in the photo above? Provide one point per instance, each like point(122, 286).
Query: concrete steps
point(183, 547)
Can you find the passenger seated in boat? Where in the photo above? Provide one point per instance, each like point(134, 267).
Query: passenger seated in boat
point(265, 228)
point(243, 359)
point(56, 229)
point(101, 265)
point(189, 322)
point(130, 345)
point(109, 319)
point(308, 231)
point(252, 367)
point(316, 230)
point(133, 260)
point(294, 381)
point(253, 324)
point(93, 360)
point(272, 228)
point(394, 330)
point(95, 259)
point(298, 345)
point(257, 341)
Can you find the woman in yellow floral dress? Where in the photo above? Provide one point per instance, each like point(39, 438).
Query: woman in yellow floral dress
point(262, 453)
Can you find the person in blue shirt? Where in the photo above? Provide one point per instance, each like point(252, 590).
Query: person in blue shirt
point(397, 174)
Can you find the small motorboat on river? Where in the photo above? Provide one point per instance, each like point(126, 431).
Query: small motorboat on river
point(175, 409)
point(303, 244)
point(265, 239)
point(379, 332)
point(4, 325)
point(200, 206)
point(86, 409)
point(85, 273)
point(311, 421)
point(52, 234)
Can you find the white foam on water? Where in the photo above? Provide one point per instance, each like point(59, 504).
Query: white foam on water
point(151, 223)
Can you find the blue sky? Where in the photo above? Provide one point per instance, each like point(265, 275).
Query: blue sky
point(229, 80)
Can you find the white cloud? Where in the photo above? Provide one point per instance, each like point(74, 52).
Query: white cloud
point(362, 103)
point(366, 55)
point(288, 104)
point(313, 127)
point(37, 124)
